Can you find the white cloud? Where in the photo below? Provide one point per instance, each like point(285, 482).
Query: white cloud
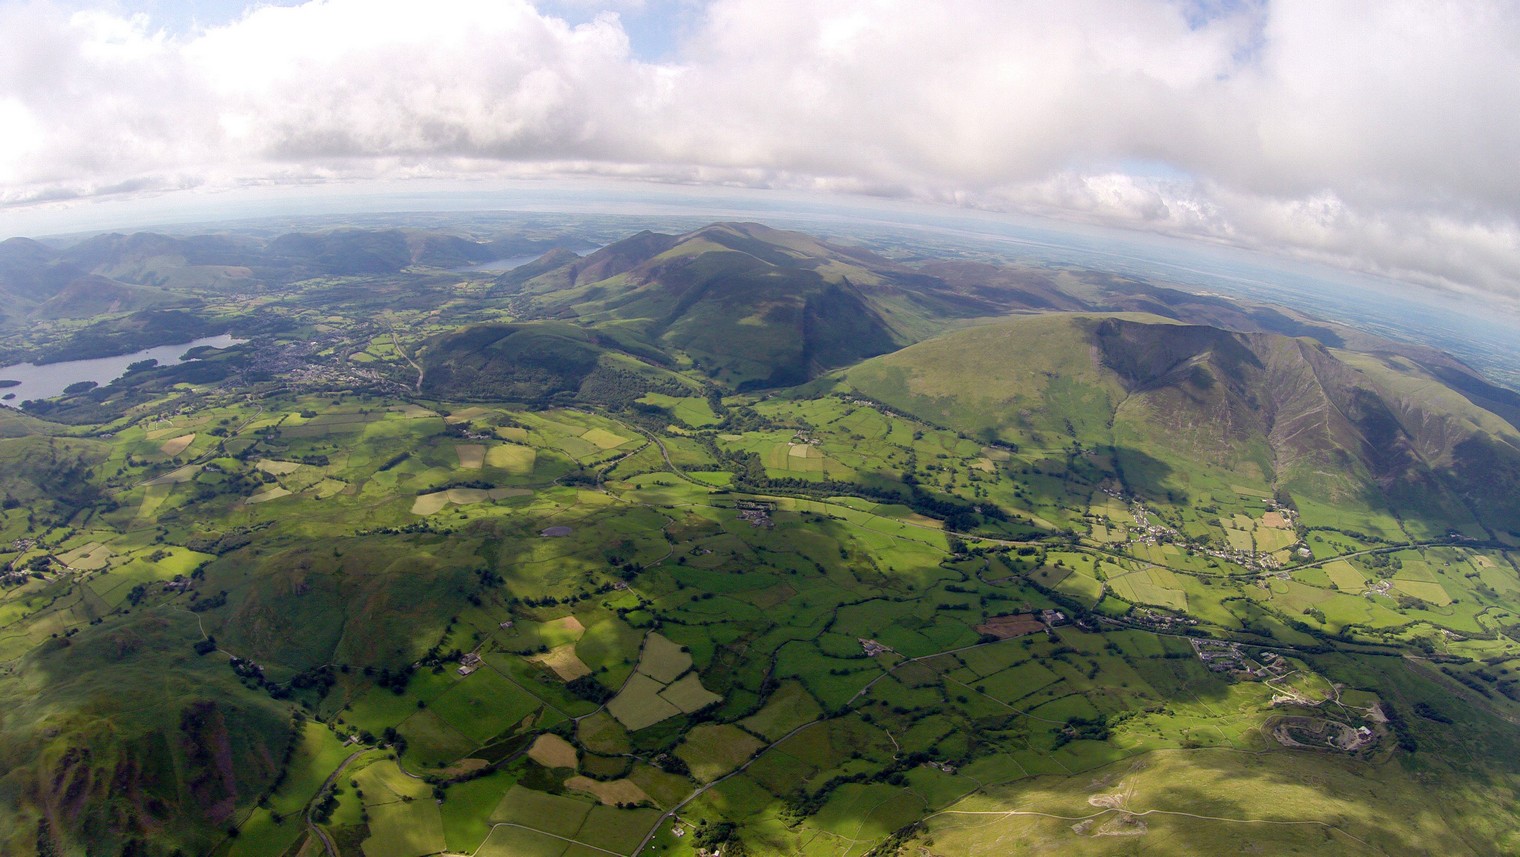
point(1377, 135)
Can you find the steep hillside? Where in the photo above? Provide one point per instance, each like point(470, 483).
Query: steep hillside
point(538, 361)
point(445, 560)
point(1190, 410)
point(93, 295)
point(752, 307)
point(120, 736)
point(31, 272)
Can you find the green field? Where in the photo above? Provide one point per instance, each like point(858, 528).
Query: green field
point(612, 552)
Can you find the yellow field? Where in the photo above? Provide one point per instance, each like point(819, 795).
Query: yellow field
point(471, 455)
point(278, 468)
point(177, 445)
point(552, 751)
point(611, 793)
point(564, 662)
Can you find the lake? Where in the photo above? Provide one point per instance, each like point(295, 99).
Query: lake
point(497, 266)
point(49, 380)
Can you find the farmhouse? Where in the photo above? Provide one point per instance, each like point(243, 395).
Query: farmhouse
point(469, 663)
point(758, 514)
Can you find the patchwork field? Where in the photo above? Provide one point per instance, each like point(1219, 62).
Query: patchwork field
point(801, 623)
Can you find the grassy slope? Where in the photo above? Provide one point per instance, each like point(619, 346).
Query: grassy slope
point(1190, 408)
point(122, 729)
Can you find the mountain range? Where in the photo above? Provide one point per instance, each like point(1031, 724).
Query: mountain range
point(782, 543)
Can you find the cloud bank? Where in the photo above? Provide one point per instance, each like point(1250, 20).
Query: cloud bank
point(1378, 136)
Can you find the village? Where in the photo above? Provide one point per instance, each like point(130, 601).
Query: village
point(1147, 531)
point(1223, 656)
point(303, 366)
point(757, 513)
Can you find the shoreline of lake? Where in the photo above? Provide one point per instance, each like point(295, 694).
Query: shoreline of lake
point(48, 380)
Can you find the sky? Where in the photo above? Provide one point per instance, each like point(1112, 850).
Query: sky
point(1378, 137)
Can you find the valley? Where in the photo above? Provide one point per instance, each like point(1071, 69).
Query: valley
point(741, 542)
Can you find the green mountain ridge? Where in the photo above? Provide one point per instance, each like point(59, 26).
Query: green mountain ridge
point(536, 362)
point(739, 539)
point(1288, 412)
point(752, 307)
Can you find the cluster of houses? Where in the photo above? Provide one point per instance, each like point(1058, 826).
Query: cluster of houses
point(756, 513)
point(13, 577)
point(873, 648)
point(1148, 532)
point(20, 546)
point(1222, 656)
point(470, 663)
point(294, 366)
point(1152, 619)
